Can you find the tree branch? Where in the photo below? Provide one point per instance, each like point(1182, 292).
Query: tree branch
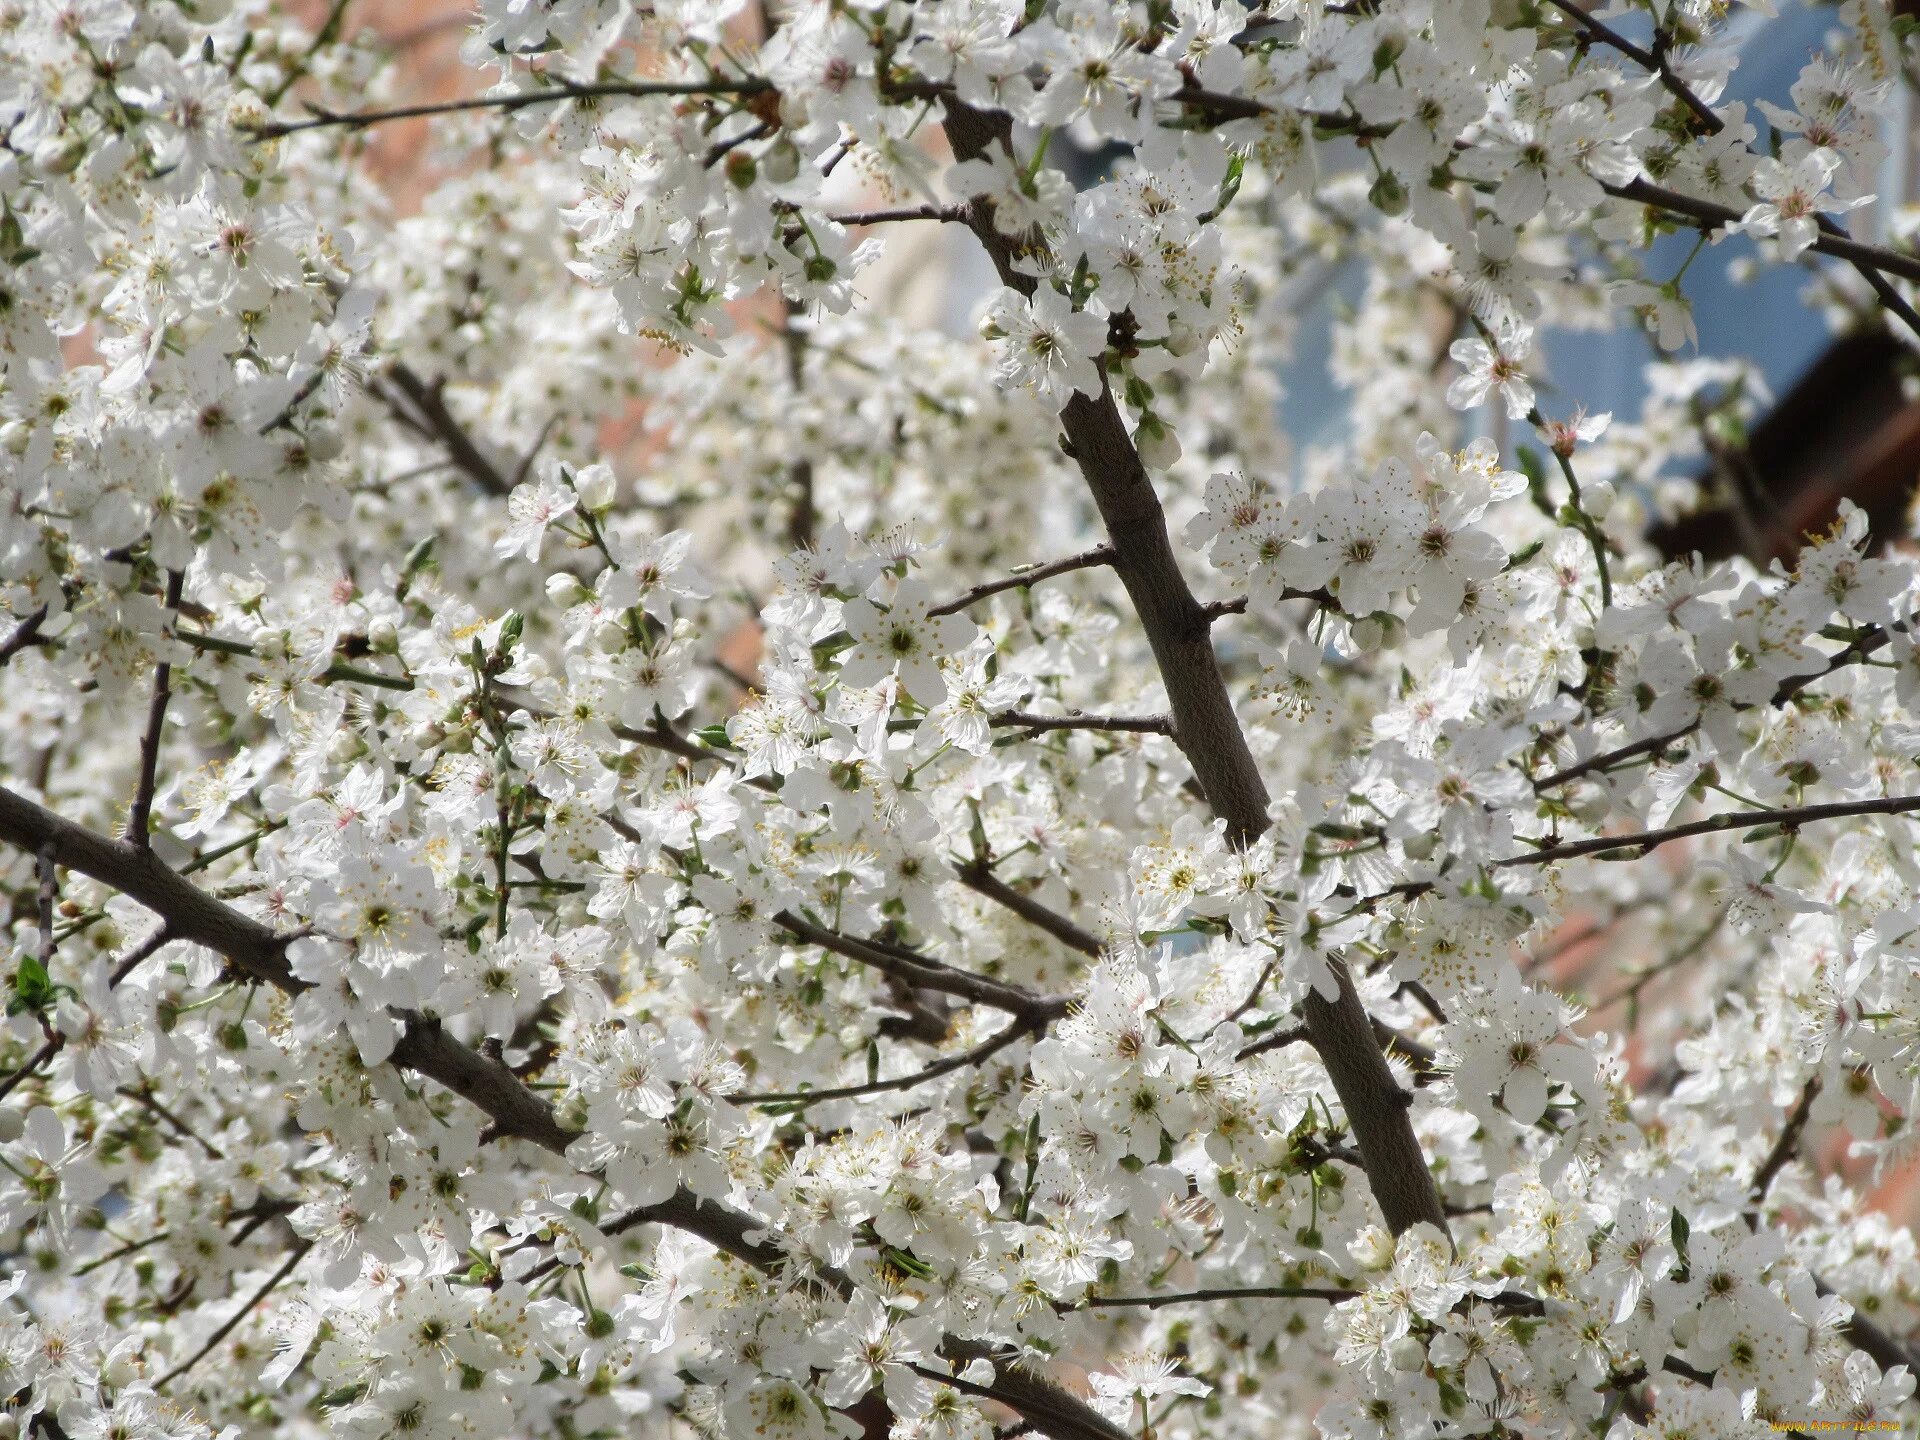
point(1334, 1295)
point(1075, 720)
point(925, 973)
point(57, 1042)
point(140, 812)
point(192, 914)
point(26, 633)
point(1646, 840)
point(232, 1322)
point(554, 95)
point(976, 876)
point(1206, 728)
point(1031, 575)
point(1782, 1151)
point(984, 1050)
point(425, 412)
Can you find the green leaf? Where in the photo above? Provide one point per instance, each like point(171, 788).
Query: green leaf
point(32, 988)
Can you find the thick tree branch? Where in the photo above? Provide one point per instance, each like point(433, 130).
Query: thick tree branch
point(1178, 629)
point(191, 914)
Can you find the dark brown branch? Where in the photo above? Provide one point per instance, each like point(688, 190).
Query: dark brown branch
point(56, 1043)
point(1866, 1336)
point(298, 1254)
point(977, 877)
point(26, 633)
point(924, 973)
point(1075, 720)
point(425, 411)
point(140, 812)
point(1703, 115)
point(947, 214)
point(1276, 1040)
point(1020, 579)
point(1332, 1294)
point(483, 1081)
point(1646, 840)
point(1208, 732)
point(151, 1104)
point(984, 1050)
point(507, 104)
point(1832, 240)
point(1783, 1148)
point(1864, 646)
point(1605, 34)
point(1714, 216)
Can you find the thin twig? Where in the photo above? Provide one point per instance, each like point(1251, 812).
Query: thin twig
point(1333, 1295)
point(425, 411)
point(140, 812)
point(151, 1104)
point(977, 877)
point(26, 633)
point(978, 1053)
point(1782, 1151)
point(925, 973)
point(58, 1041)
point(1076, 720)
point(947, 214)
point(362, 119)
point(227, 1328)
point(1032, 575)
point(1646, 840)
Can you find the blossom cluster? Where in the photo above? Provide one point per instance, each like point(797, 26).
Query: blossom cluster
point(964, 879)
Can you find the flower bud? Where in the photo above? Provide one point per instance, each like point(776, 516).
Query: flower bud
point(1369, 632)
point(1159, 447)
point(1590, 804)
point(562, 588)
point(1388, 195)
point(1597, 498)
point(382, 636)
point(1181, 338)
point(594, 485)
point(781, 162)
point(1407, 1354)
point(324, 443)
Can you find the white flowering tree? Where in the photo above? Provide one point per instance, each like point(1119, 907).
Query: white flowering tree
point(961, 887)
